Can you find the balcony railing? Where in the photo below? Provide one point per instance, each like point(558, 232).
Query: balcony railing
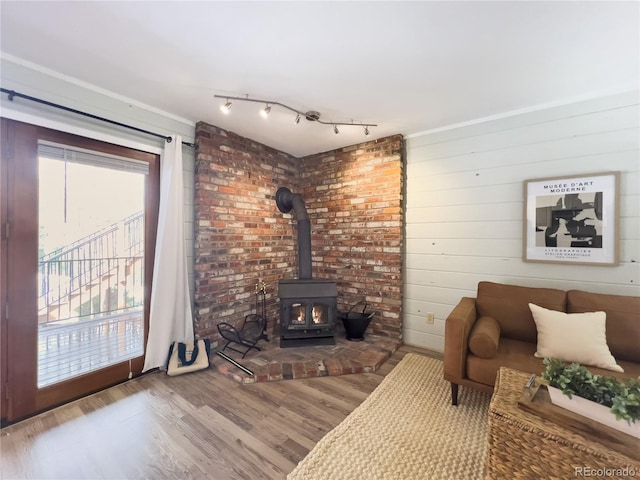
point(91, 302)
point(100, 273)
point(68, 350)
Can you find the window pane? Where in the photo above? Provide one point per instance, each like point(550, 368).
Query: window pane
point(91, 268)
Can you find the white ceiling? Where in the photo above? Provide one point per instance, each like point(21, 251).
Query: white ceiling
point(407, 66)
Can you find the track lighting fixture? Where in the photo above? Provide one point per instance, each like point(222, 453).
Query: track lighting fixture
point(226, 107)
point(311, 115)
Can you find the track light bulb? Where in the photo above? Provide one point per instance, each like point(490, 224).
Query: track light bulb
point(335, 129)
point(226, 107)
point(266, 111)
point(297, 121)
point(366, 131)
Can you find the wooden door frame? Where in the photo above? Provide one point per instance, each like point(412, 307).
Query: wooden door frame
point(23, 398)
point(21, 366)
point(4, 195)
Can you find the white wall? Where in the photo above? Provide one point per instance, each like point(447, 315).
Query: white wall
point(464, 204)
point(54, 87)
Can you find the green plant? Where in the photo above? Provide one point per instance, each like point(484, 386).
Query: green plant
point(621, 396)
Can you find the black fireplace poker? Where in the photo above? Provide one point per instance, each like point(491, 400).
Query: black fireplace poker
point(285, 200)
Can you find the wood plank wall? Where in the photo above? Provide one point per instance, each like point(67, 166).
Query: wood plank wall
point(464, 204)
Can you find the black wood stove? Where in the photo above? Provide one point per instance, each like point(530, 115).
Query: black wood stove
point(307, 305)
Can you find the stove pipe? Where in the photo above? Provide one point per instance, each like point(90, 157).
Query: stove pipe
point(285, 200)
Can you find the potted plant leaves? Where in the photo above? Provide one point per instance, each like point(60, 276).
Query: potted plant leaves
point(611, 401)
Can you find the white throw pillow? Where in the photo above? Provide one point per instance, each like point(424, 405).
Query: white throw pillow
point(573, 337)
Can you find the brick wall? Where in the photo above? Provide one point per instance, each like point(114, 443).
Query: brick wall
point(354, 200)
point(239, 237)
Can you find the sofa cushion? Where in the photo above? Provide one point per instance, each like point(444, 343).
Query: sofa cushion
point(518, 355)
point(513, 354)
point(484, 337)
point(509, 305)
point(573, 337)
point(623, 320)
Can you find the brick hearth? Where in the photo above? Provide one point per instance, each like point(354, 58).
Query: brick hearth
point(274, 363)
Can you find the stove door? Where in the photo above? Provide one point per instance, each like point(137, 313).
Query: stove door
point(307, 315)
point(296, 316)
point(320, 315)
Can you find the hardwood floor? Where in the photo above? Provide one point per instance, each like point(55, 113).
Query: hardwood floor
point(200, 426)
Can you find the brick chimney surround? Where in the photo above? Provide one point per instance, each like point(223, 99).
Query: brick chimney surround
point(354, 201)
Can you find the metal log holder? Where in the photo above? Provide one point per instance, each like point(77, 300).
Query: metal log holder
point(254, 327)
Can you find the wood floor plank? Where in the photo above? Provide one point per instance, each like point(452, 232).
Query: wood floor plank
point(326, 389)
point(364, 382)
point(197, 426)
point(261, 454)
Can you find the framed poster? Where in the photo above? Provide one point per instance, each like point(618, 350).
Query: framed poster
point(572, 220)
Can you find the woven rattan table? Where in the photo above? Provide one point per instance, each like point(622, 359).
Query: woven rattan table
point(522, 445)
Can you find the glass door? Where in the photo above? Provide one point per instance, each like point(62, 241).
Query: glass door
point(90, 261)
point(78, 267)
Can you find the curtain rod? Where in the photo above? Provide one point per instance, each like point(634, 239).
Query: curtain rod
point(11, 94)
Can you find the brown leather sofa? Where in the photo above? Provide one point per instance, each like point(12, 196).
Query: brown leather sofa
point(511, 339)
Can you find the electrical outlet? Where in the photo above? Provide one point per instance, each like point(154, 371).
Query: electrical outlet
point(430, 318)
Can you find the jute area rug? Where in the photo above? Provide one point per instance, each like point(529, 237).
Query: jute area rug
point(406, 429)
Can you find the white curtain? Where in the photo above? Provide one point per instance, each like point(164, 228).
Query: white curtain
point(170, 316)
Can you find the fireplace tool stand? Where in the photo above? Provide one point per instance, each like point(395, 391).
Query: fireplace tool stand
point(254, 328)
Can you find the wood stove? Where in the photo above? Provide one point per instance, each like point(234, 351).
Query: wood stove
point(307, 312)
point(307, 306)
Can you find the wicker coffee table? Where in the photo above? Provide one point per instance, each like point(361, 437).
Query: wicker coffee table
point(522, 445)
